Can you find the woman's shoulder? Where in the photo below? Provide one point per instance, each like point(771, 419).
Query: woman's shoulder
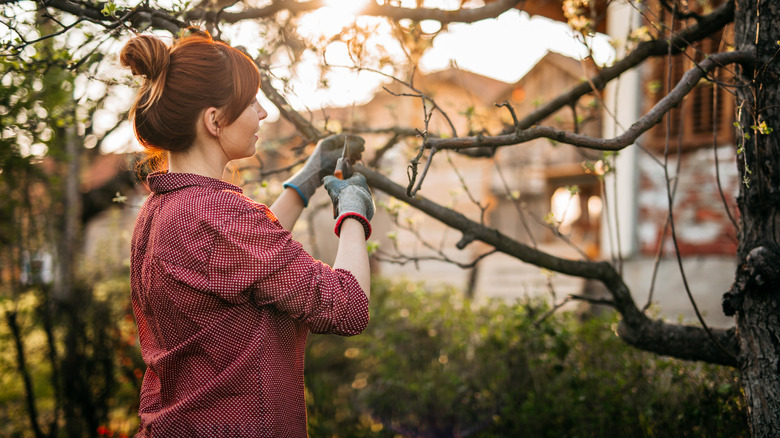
point(222, 206)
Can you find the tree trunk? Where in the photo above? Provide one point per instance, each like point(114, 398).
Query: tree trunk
point(754, 297)
point(69, 231)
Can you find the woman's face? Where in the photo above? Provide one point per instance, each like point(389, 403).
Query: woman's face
point(238, 139)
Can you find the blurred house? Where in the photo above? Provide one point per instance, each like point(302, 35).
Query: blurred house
point(622, 219)
point(523, 190)
point(696, 140)
point(514, 190)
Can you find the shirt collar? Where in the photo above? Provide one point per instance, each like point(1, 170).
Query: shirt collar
point(161, 182)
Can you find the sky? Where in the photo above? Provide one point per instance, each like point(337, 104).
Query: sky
point(504, 48)
point(507, 47)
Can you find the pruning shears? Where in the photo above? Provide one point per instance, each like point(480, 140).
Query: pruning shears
point(344, 164)
point(343, 168)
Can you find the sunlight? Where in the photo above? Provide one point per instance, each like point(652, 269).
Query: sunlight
point(331, 18)
point(346, 7)
point(565, 207)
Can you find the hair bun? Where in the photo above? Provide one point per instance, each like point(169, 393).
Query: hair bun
point(146, 55)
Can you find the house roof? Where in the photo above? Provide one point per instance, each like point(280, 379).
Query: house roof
point(492, 90)
point(482, 88)
point(488, 87)
point(573, 67)
point(553, 9)
point(102, 169)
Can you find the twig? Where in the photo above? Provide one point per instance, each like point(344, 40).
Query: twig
point(517, 203)
point(717, 162)
point(470, 15)
point(551, 311)
point(653, 117)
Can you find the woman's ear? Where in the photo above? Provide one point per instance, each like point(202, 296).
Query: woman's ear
point(210, 121)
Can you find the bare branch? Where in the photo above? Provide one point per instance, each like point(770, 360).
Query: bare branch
point(380, 153)
point(636, 328)
point(396, 131)
point(519, 206)
point(717, 159)
point(511, 110)
point(652, 118)
point(490, 10)
point(303, 126)
point(591, 300)
point(157, 18)
point(424, 98)
point(721, 16)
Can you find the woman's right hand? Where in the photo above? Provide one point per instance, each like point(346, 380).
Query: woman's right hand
point(351, 199)
point(353, 207)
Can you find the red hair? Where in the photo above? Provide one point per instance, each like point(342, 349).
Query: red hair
point(181, 81)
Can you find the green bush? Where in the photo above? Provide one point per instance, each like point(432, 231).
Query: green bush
point(85, 371)
point(431, 364)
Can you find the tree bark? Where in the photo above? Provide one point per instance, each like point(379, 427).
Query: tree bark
point(754, 296)
point(63, 292)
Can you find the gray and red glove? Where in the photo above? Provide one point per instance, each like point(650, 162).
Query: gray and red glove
point(351, 199)
point(322, 162)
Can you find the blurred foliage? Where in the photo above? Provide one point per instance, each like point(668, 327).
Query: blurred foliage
point(431, 364)
point(107, 369)
point(103, 374)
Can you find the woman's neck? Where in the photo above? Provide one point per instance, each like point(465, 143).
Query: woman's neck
point(197, 160)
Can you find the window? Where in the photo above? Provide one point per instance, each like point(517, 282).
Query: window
point(706, 111)
point(575, 206)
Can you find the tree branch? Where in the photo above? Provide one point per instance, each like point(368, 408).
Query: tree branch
point(21, 366)
point(157, 18)
point(681, 341)
point(652, 118)
point(471, 15)
point(303, 126)
point(685, 342)
point(721, 16)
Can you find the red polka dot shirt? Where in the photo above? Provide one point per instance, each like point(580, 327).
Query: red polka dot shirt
point(224, 298)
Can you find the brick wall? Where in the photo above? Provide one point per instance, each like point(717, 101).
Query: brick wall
point(701, 220)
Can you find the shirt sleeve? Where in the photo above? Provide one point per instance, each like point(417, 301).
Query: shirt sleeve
point(254, 259)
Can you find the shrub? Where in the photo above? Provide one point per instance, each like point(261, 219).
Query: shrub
point(432, 364)
point(82, 361)
point(429, 364)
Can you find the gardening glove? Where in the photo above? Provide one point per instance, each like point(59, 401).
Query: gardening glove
point(351, 199)
point(322, 162)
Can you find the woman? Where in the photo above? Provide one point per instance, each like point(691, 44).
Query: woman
point(223, 296)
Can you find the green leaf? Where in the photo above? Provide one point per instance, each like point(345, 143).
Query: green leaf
point(762, 128)
point(119, 198)
point(109, 9)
